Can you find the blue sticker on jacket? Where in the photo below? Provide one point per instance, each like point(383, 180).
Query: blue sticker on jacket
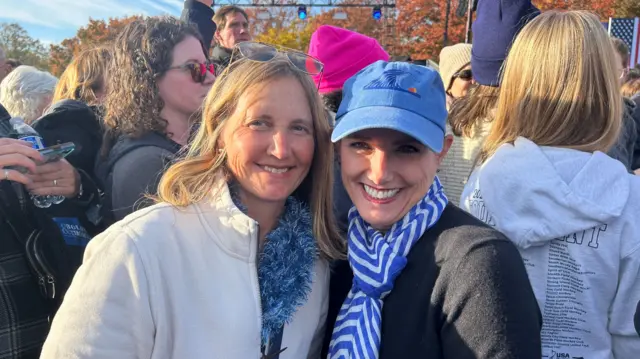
point(73, 232)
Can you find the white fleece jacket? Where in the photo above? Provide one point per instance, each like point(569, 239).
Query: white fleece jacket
point(182, 284)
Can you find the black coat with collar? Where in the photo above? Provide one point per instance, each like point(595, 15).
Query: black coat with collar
point(464, 294)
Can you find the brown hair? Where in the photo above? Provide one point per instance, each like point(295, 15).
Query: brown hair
point(220, 18)
point(622, 49)
point(631, 84)
point(84, 76)
point(559, 86)
point(468, 113)
point(192, 179)
point(142, 51)
point(13, 63)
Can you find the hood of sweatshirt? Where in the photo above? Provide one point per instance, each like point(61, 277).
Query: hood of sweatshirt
point(535, 194)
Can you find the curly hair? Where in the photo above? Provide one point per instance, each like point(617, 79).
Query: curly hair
point(84, 76)
point(141, 53)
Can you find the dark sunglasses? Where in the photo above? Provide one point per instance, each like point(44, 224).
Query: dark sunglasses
point(465, 75)
point(197, 70)
point(260, 52)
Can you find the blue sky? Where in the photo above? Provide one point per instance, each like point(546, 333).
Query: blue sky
point(52, 21)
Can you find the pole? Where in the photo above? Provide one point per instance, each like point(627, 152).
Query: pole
point(446, 23)
point(467, 38)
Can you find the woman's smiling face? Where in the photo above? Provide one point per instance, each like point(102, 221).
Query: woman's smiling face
point(386, 173)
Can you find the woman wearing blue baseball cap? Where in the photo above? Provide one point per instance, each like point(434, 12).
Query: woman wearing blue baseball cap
point(427, 279)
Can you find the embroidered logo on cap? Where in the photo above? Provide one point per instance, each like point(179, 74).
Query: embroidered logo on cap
point(390, 80)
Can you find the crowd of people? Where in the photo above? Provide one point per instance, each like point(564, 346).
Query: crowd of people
point(234, 199)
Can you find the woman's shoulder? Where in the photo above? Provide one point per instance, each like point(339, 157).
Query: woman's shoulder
point(157, 222)
point(458, 234)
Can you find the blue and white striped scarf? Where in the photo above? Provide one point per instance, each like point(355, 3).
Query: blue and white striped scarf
point(376, 260)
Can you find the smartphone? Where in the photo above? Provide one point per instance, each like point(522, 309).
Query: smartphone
point(57, 152)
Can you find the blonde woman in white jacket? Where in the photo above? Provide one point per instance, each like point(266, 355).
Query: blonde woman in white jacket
point(232, 263)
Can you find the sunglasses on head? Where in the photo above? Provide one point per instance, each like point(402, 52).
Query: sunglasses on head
point(465, 75)
point(259, 52)
point(197, 70)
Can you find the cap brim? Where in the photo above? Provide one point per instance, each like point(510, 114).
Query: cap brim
point(393, 118)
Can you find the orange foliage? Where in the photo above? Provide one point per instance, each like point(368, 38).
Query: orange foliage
point(420, 27)
point(603, 8)
point(97, 32)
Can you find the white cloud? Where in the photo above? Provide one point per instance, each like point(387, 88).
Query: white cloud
point(76, 13)
point(20, 15)
point(155, 4)
point(176, 4)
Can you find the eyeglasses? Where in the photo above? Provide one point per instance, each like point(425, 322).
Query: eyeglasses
point(260, 52)
point(465, 75)
point(197, 70)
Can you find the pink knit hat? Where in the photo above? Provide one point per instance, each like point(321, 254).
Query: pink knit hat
point(343, 53)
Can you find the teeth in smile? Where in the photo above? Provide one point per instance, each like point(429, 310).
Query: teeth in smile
point(275, 170)
point(377, 194)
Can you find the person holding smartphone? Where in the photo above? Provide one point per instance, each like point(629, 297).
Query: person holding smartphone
point(26, 307)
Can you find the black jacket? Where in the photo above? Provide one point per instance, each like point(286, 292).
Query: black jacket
point(79, 218)
point(625, 148)
point(132, 169)
point(73, 121)
point(200, 15)
point(29, 239)
point(464, 294)
point(4, 114)
point(221, 57)
point(24, 312)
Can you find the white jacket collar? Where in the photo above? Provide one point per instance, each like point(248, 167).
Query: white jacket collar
point(236, 232)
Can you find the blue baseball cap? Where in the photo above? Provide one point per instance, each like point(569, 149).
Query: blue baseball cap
point(395, 95)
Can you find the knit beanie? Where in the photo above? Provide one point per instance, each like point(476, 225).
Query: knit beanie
point(452, 59)
point(343, 53)
point(497, 24)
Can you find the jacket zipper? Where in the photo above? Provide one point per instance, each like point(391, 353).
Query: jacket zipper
point(255, 231)
point(46, 280)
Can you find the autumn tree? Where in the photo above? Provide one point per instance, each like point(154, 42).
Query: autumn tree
point(17, 44)
point(627, 8)
point(360, 19)
point(262, 19)
point(420, 27)
point(603, 8)
point(280, 25)
point(97, 32)
point(295, 36)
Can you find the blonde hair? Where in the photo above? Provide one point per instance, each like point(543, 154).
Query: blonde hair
point(192, 179)
point(559, 86)
point(84, 76)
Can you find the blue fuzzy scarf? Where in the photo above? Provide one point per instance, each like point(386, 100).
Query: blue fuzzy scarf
point(285, 266)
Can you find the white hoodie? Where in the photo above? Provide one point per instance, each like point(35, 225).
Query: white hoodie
point(575, 217)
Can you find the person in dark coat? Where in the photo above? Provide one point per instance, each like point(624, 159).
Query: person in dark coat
point(200, 13)
point(626, 148)
point(76, 116)
point(158, 80)
point(425, 279)
point(34, 266)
